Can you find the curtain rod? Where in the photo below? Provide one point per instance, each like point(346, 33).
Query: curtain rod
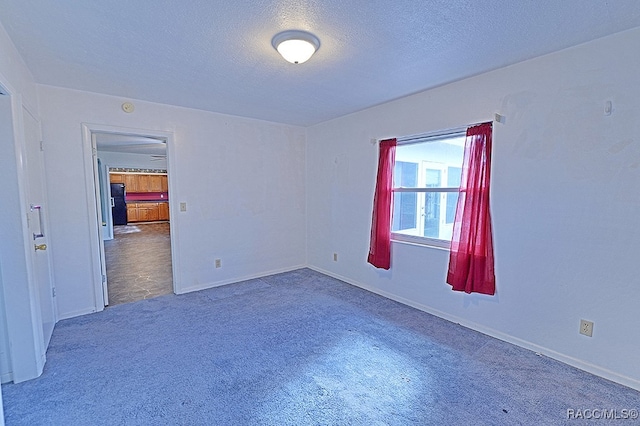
point(408, 139)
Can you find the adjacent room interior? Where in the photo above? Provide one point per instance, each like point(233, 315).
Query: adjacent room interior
point(302, 217)
point(134, 213)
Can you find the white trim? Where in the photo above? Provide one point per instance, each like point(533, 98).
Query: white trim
point(541, 350)
point(421, 241)
point(432, 136)
point(77, 313)
point(138, 173)
point(433, 189)
point(206, 286)
point(94, 230)
point(7, 377)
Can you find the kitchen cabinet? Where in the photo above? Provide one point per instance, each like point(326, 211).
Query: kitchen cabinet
point(131, 182)
point(132, 212)
point(140, 182)
point(116, 178)
point(156, 209)
point(163, 211)
point(147, 212)
point(155, 183)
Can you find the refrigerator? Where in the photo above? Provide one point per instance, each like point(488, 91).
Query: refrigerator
point(118, 204)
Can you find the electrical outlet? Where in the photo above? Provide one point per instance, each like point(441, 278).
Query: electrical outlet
point(586, 327)
point(218, 263)
point(335, 257)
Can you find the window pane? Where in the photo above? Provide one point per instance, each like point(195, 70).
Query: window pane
point(405, 205)
point(454, 174)
point(432, 204)
point(432, 163)
point(439, 154)
point(431, 211)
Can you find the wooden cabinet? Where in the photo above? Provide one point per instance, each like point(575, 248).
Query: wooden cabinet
point(143, 184)
point(139, 211)
point(147, 212)
point(132, 212)
point(139, 182)
point(155, 183)
point(116, 178)
point(131, 183)
point(163, 211)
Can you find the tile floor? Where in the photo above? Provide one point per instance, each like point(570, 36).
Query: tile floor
point(138, 262)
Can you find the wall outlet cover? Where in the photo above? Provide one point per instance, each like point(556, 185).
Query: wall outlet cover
point(586, 328)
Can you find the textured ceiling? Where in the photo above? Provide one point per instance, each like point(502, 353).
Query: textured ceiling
point(217, 56)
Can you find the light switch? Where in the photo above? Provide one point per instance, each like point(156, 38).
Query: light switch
point(183, 206)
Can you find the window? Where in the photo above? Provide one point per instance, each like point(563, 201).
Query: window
point(425, 189)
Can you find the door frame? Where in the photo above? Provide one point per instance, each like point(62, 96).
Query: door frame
point(93, 199)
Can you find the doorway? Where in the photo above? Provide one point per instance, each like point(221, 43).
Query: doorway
point(136, 256)
point(138, 262)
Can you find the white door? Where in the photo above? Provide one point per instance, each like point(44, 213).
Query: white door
point(39, 225)
point(100, 199)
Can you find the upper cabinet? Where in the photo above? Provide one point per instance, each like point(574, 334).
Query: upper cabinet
point(116, 178)
point(155, 182)
point(131, 183)
point(139, 182)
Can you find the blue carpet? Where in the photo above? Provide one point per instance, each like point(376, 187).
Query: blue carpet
point(298, 348)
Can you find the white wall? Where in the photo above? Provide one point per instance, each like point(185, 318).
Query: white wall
point(242, 180)
point(564, 199)
point(14, 72)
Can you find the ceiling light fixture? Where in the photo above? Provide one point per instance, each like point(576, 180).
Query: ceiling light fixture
point(295, 46)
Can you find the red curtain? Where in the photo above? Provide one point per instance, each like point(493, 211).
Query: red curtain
point(380, 245)
point(471, 257)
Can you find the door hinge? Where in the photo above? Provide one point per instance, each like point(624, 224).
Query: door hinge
point(104, 279)
point(41, 145)
point(53, 291)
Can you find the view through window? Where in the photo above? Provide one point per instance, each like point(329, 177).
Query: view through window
point(426, 183)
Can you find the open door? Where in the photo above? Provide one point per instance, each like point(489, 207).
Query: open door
point(100, 218)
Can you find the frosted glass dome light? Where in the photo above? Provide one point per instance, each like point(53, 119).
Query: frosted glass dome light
point(295, 46)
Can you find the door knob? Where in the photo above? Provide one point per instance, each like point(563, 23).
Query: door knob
point(40, 246)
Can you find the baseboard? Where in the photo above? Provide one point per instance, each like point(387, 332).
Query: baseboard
point(77, 313)
point(6, 378)
point(574, 362)
point(205, 286)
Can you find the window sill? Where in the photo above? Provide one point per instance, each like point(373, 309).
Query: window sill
point(421, 242)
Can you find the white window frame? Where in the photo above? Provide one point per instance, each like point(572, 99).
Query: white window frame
point(420, 139)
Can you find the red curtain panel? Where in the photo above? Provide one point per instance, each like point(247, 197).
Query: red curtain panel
point(471, 266)
point(380, 245)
